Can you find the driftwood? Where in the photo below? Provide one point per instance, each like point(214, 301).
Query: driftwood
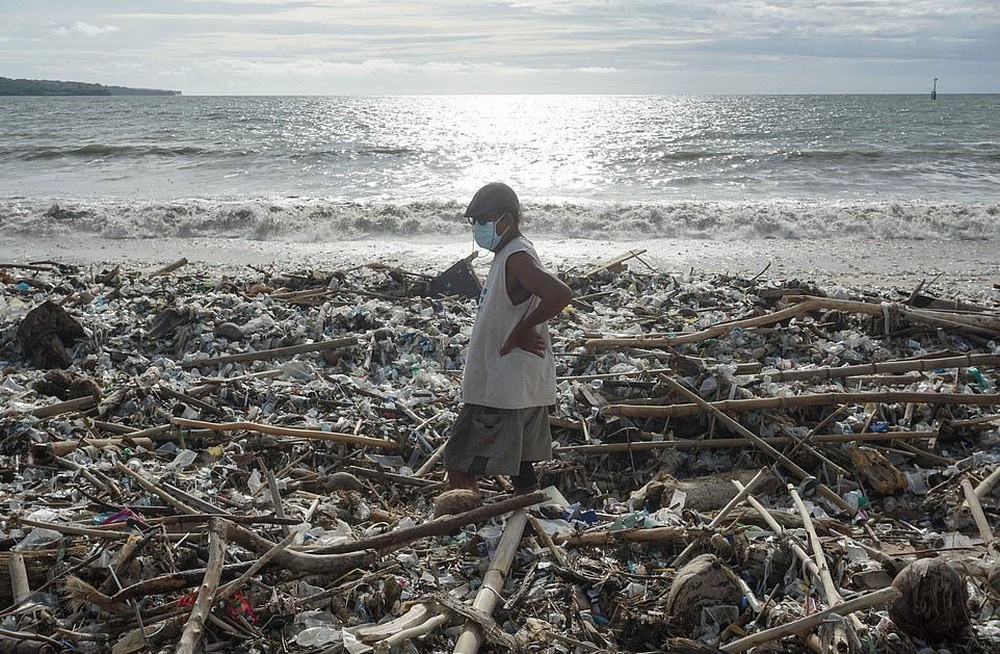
point(292, 432)
point(878, 598)
point(885, 367)
point(795, 401)
point(722, 514)
point(726, 443)
point(971, 322)
point(275, 353)
point(438, 527)
point(675, 535)
point(62, 448)
point(166, 270)
point(838, 640)
point(78, 404)
point(195, 626)
point(793, 467)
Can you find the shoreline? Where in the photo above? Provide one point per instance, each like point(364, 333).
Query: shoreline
point(962, 264)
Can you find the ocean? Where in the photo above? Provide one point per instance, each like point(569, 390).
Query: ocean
point(334, 168)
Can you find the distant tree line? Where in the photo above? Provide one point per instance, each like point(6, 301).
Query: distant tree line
point(9, 86)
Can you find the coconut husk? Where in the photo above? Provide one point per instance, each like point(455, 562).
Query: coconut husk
point(933, 601)
point(702, 582)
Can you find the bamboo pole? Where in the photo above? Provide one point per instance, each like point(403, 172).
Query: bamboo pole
point(877, 598)
point(275, 353)
point(195, 626)
point(493, 580)
point(796, 401)
point(884, 367)
point(840, 642)
point(982, 524)
point(293, 432)
point(978, 323)
point(793, 467)
point(725, 443)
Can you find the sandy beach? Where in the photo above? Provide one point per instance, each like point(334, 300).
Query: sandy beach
point(961, 264)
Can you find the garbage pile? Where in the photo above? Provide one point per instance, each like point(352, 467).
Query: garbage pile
point(203, 459)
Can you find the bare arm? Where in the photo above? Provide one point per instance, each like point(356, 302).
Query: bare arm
point(527, 277)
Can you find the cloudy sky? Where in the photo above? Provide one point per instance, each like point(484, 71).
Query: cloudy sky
point(362, 47)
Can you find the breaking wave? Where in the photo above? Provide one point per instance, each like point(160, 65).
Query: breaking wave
point(322, 220)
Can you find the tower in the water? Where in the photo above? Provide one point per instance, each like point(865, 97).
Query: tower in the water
point(934, 90)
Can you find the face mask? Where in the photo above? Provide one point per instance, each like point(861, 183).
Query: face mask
point(486, 235)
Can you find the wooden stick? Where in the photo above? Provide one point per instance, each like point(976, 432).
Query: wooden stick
point(166, 270)
point(493, 580)
point(195, 626)
point(415, 631)
point(155, 488)
point(234, 586)
point(779, 530)
point(793, 467)
point(794, 401)
point(725, 443)
point(721, 515)
point(78, 404)
point(437, 527)
point(307, 562)
point(275, 353)
point(311, 434)
point(878, 598)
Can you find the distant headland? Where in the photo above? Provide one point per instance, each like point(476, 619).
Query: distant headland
point(10, 86)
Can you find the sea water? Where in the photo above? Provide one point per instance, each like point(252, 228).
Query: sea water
point(329, 168)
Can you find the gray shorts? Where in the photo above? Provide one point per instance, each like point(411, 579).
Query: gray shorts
point(489, 441)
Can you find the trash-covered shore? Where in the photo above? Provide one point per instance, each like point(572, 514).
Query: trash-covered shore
point(199, 458)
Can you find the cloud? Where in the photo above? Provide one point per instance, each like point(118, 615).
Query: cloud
point(85, 29)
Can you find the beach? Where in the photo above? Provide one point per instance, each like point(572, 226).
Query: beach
point(846, 262)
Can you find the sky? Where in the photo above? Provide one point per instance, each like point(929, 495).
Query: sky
point(378, 47)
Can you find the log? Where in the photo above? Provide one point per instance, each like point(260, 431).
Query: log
point(878, 598)
point(307, 562)
point(795, 401)
point(276, 353)
point(793, 467)
point(194, 628)
point(438, 527)
point(648, 535)
point(721, 515)
point(486, 599)
point(292, 432)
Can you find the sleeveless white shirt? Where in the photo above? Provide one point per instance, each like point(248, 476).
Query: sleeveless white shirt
point(518, 379)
